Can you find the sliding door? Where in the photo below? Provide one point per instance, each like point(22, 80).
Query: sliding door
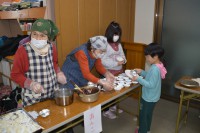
point(181, 41)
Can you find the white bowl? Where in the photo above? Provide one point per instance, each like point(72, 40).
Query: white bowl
point(119, 58)
point(131, 73)
point(126, 85)
point(126, 78)
point(91, 84)
point(128, 82)
point(115, 84)
point(115, 81)
point(134, 82)
point(118, 87)
point(122, 74)
point(121, 84)
point(120, 79)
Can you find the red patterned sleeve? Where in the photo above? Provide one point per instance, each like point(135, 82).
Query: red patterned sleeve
point(20, 66)
point(55, 59)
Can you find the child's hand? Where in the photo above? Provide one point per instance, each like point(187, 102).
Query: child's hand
point(138, 71)
point(134, 78)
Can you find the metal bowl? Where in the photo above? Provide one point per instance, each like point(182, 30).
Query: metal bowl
point(64, 97)
point(89, 97)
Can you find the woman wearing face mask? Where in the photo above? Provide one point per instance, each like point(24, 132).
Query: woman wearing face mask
point(79, 63)
point(35, 66)
point(113, 59)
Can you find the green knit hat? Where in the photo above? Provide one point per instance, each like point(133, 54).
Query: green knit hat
point(45, 26)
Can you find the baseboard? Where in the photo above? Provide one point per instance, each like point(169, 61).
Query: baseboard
point(193, 103)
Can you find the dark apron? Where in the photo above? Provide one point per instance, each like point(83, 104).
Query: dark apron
point(72, 69)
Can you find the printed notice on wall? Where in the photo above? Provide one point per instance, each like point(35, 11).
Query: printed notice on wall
point(92, 120)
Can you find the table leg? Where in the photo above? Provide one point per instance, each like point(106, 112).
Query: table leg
point(187, 110)
point(179, 111)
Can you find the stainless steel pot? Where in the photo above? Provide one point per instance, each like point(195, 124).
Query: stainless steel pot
point(89, 97)
point(64, 97)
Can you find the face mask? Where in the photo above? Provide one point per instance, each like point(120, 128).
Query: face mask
point(38, 43)
point(115, 38)
point(97, 56)
point(100, 56)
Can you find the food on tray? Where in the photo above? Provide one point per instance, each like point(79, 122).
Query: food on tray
point(18, 122)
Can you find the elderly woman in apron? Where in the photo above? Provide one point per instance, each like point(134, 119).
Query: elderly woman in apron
point(79, 63)
point(35, 66)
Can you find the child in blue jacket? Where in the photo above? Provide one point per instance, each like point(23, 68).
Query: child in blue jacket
point(151, 85)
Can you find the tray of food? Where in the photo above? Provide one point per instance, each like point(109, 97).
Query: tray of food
point(189, 83)
point(18, 121)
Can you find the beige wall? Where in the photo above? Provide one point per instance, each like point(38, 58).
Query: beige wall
point(50, 10)
point(78, 20)
point(144, 21)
